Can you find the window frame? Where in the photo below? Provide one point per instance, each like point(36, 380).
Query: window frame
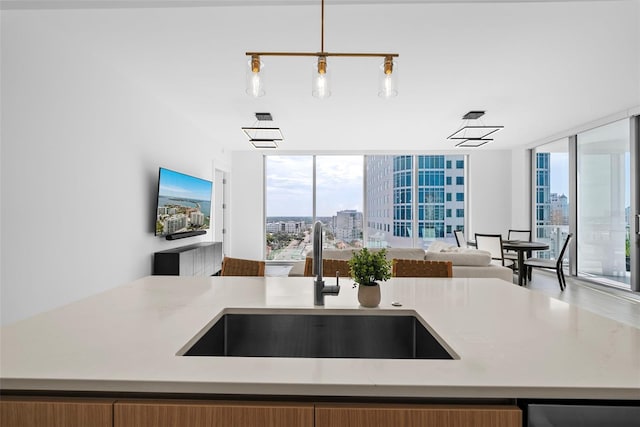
point(422, 195)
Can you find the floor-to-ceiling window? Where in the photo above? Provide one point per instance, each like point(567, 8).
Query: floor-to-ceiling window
point(339, 200)
point(411, 200)
point(604, 208)
point(291, 182)
point(597, 171)
point(288, 206)
point(552, 195)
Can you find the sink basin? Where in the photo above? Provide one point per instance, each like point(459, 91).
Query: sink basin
point(333, 335)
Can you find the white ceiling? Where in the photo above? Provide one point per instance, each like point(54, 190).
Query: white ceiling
point(537, 68)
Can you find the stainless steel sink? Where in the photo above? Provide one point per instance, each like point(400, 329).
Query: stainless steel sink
point(334, 335)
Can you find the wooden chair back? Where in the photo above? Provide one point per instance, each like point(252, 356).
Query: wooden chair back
point(329, 267)
point(242, 267)
point(421, 268)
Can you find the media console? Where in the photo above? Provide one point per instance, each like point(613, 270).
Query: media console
point(199, 259)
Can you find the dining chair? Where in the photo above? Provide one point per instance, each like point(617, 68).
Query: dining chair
point(242, 267)
point(330, 267)
point(552, 264)
point(460, 239)
point(421, 268)
point(492, 243)
point(524, 235)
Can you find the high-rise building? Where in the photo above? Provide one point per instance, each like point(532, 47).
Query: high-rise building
point(380, 201)
point(289, 227)
point(348, 225)
point(543, 198)
point(404, 192)
point(559, 209)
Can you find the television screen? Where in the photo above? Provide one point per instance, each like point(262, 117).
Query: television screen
point(184, 203)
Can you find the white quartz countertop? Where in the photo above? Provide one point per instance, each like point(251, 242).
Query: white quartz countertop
point(511, 343)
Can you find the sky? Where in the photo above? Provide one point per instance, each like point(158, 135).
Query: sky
point(175, 184)
point(559, 173)
point(340, 183)
point(289, 191)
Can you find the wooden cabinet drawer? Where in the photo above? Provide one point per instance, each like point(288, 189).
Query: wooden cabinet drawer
point(391, 415)
point(211, 414)
point(55, 412)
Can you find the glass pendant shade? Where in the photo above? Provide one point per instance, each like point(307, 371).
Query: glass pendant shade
point(388, 79)
point(321, 81)
point(255, 77)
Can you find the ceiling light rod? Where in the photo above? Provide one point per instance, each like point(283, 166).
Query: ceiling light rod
point(321, 80)
point(322, 51)
point(354, 55)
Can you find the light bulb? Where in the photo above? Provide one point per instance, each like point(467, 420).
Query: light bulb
point(388, 87)
point(256, 85)
point(321, 83)
point(255, 77)
point(321, 86)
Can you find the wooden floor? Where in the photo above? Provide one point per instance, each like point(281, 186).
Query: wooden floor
point(616, 304)
point(620, 305)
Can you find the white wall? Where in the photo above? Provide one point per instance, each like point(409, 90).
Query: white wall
point(81, 147)
point(521, 212)
point(489, 204)
point(246, 225)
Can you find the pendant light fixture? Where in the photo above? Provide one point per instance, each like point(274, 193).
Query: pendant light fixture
point(255, 77)
point(263, 137)
point(321, 81)
point(388, 80)
point(473, 135)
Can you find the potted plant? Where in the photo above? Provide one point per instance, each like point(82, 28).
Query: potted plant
point(367, 268)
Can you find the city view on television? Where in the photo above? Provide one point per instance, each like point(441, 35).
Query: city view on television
point(184, 203)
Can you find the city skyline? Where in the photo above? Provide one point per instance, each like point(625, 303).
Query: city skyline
point(411, 200)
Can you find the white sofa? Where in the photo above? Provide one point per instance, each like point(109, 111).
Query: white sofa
point(466, 262)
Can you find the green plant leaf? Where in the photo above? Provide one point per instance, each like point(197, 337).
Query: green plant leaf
point(368, 267)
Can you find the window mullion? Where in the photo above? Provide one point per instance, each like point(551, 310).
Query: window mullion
point(365, 203)
point(414, 201)
point(313, 191)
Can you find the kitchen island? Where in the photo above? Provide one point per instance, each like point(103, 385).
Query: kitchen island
point(508, 343)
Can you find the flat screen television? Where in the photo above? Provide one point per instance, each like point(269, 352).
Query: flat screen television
point(184, 204)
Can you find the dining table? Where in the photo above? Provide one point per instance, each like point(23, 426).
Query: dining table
point(523, 247)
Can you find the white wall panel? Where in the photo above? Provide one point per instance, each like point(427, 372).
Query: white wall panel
point(81, 147)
